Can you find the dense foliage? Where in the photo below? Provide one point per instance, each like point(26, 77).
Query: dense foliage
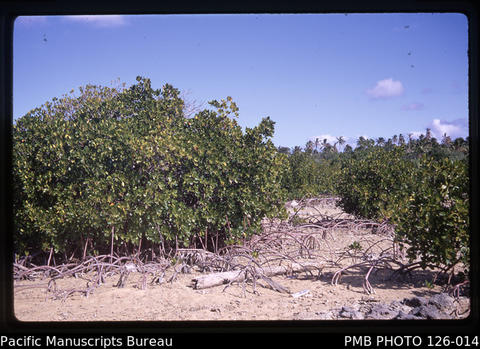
point(121, 166)
point(311, 173)
point(308, 177)
point(421, 186)
point(435, 219)
point(127, 164)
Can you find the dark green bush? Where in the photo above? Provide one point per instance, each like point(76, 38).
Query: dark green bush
point(435, 219)
point(129, 163)
point(374, 183)
point(426, 198)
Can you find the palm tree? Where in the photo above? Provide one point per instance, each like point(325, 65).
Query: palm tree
point(317, 143)
point(380, 141)
point(428, 134)
point(309, 146)
point(361, 142)
point(340, 140)
point(348, 149)
point(389, 144)
point(460, 144)
point(284, 150)
point(324, 144)
point(446, 140)
point(326, 147)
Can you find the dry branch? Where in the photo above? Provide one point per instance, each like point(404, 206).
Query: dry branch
point(222, 278)
point(279, 249)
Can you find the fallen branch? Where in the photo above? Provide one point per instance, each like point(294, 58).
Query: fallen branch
point(217, 279)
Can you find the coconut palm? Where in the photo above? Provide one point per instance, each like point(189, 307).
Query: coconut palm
point(340, 141)
point(317, 143)
point(309, 146)
point(380, 141)
point(428, 134)
point(327, 147)
point(446, 140)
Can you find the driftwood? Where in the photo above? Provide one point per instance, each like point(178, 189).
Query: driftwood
point(217, 279)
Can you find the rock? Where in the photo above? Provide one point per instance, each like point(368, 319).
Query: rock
point(415, 301)
point(403, 316)
point(399, 306)
point(443, 302)
point(429, 312)
point(440, 306)
point(347, 309)
point(356, 315)
point(381, 311)
point(350, 313)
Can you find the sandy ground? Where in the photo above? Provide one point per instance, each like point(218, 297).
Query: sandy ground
point(178, 301)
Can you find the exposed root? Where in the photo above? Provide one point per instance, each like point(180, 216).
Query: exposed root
point(300, 240)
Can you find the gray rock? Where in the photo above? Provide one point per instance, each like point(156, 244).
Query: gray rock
point(396, 305)
point(381, 311)
point(357, 315)
point(443, 302)
point(415, 301)
point(404, 316)
point(350, 313)
point(440, 306)
point(429, 312)
point(347, 309)
point(400, 306)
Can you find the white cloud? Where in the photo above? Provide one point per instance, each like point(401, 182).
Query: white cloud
point(413, 106)
point(99, 20)
point(454, 129)
point(330, 139)
point(386, 88)
point(416, 134)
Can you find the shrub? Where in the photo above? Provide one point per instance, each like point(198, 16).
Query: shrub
point(128, 164)
point(310, 176)
point(435, 221)
point(374, 183)
point(426, 198)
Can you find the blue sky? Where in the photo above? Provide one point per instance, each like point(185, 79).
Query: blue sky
point(317, 75)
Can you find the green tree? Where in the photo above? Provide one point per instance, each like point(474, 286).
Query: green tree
point(373, 182)
point(435, 220)
point(128, 165)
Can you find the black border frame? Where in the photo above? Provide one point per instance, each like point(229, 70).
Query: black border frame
point(296, 329)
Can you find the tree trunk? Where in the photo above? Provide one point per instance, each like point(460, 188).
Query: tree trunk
point(139, 247)
point(85, 250)
point(217, 279)
point(111, 246)
point(50, 256)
